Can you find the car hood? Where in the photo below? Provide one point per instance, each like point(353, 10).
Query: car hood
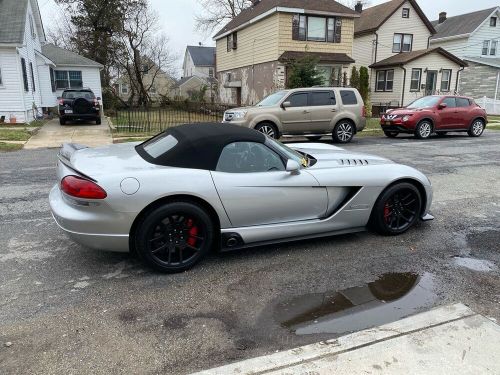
point(329, 156)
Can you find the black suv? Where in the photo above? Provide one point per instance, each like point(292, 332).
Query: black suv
point(79, 104)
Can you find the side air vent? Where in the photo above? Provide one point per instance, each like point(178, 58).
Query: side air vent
point(353, 162)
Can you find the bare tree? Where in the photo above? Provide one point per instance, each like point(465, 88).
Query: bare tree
point(352, 3)
point(218, 12)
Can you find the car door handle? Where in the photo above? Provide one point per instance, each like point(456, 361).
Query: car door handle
point(334, 110)
point(305, 112)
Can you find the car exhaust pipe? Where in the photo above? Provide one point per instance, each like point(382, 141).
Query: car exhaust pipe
point(232, 241)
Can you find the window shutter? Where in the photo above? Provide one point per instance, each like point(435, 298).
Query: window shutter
point(52, 82)
point(32, 77)
point(235, 40)
point(25, 74)
point(338, 30)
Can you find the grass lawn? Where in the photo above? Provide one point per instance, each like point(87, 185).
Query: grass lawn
point(125, 140)
point(493, 118)
point(14, 135)
point(4, 147)
point(372, 128)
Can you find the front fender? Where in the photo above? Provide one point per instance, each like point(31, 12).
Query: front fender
point(269, 118)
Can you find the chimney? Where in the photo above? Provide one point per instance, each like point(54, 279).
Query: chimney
point(358, 7)
point(442, 17)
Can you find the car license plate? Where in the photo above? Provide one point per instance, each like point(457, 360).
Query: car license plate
point(69, 111)
point(388, 123)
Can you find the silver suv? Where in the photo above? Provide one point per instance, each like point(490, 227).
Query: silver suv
point(309, 112)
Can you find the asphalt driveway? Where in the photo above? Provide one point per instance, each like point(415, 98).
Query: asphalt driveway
point(65, 309)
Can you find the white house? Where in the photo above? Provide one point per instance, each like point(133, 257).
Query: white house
point(475, 38)
point(198, 70)
point(32, 72)
point(392, 39)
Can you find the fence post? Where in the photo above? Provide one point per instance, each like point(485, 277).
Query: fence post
point(129, 120)
point(159, 119)
point(189, 113)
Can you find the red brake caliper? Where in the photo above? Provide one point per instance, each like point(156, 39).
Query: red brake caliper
point(387, 212)
point(193, 232)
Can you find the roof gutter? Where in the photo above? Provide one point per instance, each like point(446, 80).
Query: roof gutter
point(452, 37)
point(404, 86)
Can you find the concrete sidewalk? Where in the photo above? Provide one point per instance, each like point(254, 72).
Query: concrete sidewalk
point(447, 340)
point(53, 135)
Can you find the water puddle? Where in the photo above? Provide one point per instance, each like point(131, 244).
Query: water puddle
point(474, 264)
point(391, 297)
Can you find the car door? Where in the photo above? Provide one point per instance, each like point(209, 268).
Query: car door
point(323, 107)
point(464, 118)
point(296, 118)
point(255, 188)
point(447, 115)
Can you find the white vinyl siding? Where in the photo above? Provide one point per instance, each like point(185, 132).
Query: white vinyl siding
point(91, 79)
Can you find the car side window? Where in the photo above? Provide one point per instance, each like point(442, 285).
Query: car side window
point(348, 97)
point(450, 102)
point(298, 100)
point(463, 102)
point(248, 157)
point(320, 98)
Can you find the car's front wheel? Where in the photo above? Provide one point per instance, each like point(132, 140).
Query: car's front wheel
point(476, 129)
point(391, 134)
point(423, 130)
point(268, 129)
point(397, 209)
point(174, 237)
point(343, 132)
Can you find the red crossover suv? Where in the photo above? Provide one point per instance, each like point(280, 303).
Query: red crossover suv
point(438, 114)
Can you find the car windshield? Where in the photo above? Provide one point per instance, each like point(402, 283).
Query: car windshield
point(300, 158)
point(78, 94)
point(272, 99)
point(425, 102)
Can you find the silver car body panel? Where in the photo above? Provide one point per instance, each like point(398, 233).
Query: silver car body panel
point(335, 195)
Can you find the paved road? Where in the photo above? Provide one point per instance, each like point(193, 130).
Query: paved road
point(70, 310)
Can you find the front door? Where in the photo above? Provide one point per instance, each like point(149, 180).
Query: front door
point(430, 85)
point(297, 117)
point(255, 188)
point(323, 107)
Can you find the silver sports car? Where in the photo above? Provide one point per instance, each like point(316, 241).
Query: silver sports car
point(199, 187)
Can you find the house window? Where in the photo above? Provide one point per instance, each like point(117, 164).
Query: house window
point(232, 41)
point(32, 28)
point(406, 12)
point(124, 89)
point(402, 43)
point(493, 48)
point(68, 79)
point(416, 78)
point(316, 29)
point(493, 22)
point(332, 74)
point(25, 74)
point(145, 68)
point(52, 81)
point(445, 80)
point(385, 80)
point(32, 77)
point(486, 47)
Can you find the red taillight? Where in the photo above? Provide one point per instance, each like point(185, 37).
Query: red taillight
point(81, 188)
point(61, 101)
point(363, 112)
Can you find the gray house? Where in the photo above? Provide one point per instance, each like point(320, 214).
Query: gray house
point(198, 70)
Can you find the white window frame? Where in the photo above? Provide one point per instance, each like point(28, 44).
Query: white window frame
point(448, 81)
point(493, 20)
point(124, 89)
point(486, 48)
point(68, 80)
point(493, 47)
point(407, 15)
point(401, 43)
point(385, 74)
point(412, 80)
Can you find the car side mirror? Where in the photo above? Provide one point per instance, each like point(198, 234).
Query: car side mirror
point(442, 106)
point(286, 105)
point(292, 166)
point(98, 98)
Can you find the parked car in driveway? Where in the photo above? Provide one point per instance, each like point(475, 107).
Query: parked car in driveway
point(79, 105)
point(438, 114)
point(309, 112)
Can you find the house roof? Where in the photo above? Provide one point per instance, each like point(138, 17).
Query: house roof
point(324, 57)
point(183, 80)
point(462, 24)
point(494, 62)
point(404, 58)
point(263, 6)
point(372, 18)
point(62, 56)
point(202, 56)
point(13, 19)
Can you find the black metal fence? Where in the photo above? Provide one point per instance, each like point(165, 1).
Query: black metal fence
point(156, 119)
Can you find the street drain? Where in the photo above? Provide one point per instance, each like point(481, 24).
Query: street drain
point(391, 297)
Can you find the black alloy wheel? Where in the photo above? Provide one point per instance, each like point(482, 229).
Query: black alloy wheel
point(174, 237)
point(397, 209)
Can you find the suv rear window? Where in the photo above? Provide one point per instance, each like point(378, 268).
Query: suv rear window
point(322, 98)
point(348, 97)
point(463, 102)
point(78, 94)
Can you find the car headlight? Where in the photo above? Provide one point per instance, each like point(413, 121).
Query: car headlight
point(406, 118)
point(239, 114)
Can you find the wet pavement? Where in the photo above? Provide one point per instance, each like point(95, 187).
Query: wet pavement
point(65, 309)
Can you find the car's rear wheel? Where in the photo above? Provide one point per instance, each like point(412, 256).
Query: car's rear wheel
point(268, 129)
point(391, 134)
point(423, 130)
point(174, 237)
point(62, 121)
point(343, 132)
point(441, 134)
point(397, 209)
point(314, 138)
point(476, 129)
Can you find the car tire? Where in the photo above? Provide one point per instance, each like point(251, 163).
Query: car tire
point(423, 130)
point(343, 132)
point(174, 237)
point(314, 138)
point(390, 134)
point(441, 134)
point(476, 129)
point(269, 129)
point(396, 210)
point(98, 121)
point(62, 121)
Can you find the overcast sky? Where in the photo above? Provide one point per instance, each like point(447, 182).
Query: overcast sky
point(177, 17)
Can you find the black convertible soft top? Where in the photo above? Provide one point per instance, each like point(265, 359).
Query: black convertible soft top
point(198, 145)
